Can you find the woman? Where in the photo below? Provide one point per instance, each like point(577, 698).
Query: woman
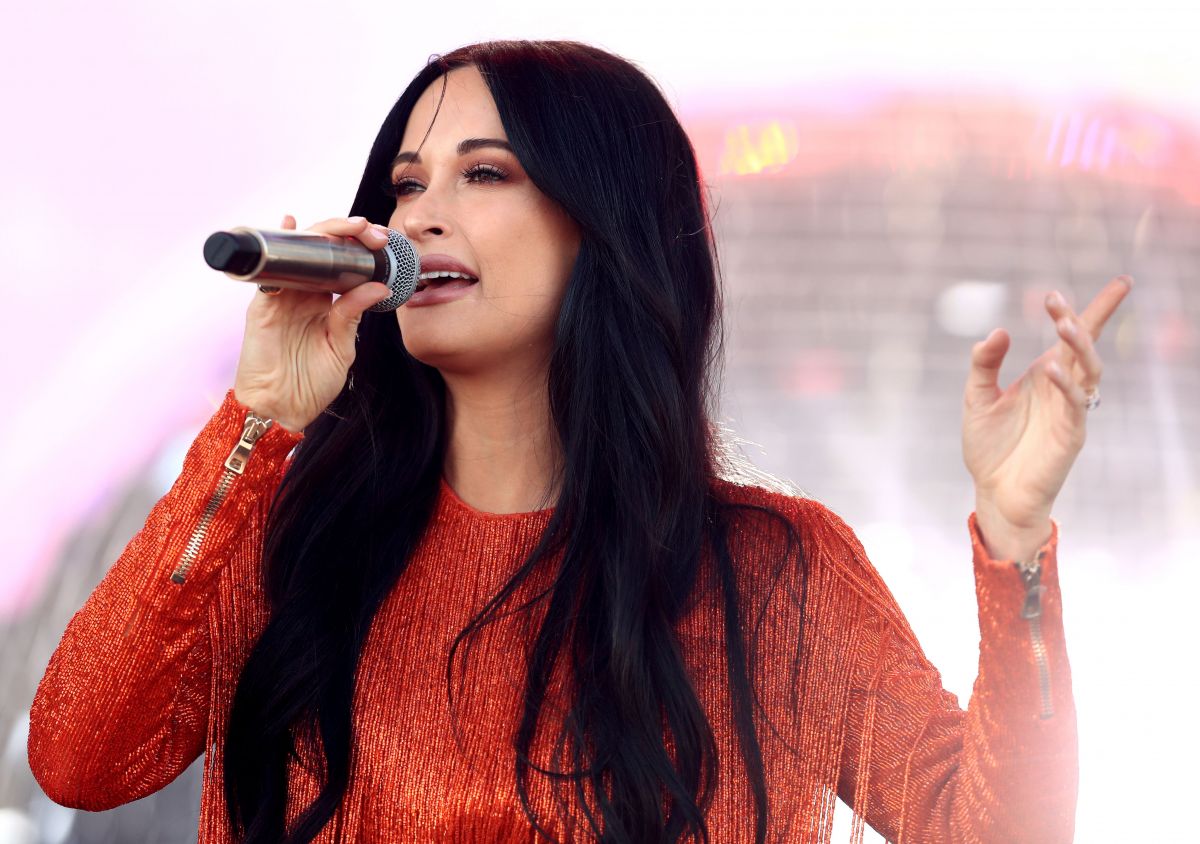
point(500, 592)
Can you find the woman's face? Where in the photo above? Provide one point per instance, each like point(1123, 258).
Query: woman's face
point(465, 198)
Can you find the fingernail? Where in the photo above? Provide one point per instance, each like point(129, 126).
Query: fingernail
point(380, 230)
point(1128, 279)
point(358, 219)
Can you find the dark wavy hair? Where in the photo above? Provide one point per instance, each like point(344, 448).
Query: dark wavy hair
point(630, 381)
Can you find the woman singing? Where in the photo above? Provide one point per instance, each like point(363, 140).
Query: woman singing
point(482, 573)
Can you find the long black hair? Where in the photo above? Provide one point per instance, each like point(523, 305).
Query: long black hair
point(637, 342)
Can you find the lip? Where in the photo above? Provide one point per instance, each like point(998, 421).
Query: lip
point(440, 294)
point(445, 263)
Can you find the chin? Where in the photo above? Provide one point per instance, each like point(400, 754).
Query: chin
point(474, 351)
point(447, 347)
point(438, 353)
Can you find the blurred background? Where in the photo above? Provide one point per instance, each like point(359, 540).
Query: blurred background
point(889, 182)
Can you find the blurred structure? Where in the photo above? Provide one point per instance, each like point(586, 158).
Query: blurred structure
point(864, 249)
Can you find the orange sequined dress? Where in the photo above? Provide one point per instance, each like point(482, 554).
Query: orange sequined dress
point(143, 680)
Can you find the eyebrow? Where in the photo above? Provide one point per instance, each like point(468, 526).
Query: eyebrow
point(465, 147)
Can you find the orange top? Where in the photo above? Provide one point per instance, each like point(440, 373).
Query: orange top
point(144, 677)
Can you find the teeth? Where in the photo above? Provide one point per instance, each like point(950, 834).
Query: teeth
point(444, 274)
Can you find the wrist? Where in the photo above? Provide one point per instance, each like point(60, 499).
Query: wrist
point(266, 414)
point(289, 426)
point(1008, 540)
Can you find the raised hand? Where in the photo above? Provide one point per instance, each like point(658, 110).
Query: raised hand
point(1019, 443)
point(298, 346)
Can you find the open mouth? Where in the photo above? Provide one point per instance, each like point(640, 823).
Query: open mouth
point(444, 278)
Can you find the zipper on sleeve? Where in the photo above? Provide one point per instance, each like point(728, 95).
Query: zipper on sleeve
point(1031, 611)
point(252, 430)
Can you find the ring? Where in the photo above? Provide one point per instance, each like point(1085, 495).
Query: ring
point(269, 290)
point(1093, 398)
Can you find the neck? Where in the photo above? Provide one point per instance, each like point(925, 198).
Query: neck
point(502, 453)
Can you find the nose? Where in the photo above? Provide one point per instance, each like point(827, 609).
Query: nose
point(421, 217)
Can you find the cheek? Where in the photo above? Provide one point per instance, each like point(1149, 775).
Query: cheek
point(561, 237)
point(536, 261)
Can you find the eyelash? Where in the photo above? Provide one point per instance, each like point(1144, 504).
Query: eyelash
point(491, 173)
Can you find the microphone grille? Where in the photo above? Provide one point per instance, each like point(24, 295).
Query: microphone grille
point(405, 268)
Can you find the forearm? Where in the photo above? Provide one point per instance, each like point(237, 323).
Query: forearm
point(1005, 769)
point(1021, 742)
point(1004, 540)
point(122, 706)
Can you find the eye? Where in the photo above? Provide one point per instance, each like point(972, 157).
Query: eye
point(399, 188)
point(480, 174)
point(484, 174)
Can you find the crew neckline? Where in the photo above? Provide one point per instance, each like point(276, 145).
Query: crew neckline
point(451, 498)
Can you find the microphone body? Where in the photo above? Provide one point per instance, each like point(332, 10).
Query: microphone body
point(315, 262)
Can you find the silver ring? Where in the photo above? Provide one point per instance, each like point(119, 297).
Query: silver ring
point(269, 290)
point(1093, 398)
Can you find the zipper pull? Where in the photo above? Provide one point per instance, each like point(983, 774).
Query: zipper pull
point(1031, 575)
point(253, 429)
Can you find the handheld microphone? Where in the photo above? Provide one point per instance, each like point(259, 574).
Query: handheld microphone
point(315, 262)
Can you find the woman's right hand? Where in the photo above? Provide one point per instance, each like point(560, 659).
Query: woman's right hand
point(298, 346)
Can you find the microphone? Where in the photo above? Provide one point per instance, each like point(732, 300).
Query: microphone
point(315, 262)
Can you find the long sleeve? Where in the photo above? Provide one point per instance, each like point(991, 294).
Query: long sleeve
point(123, 706)
point(919, 769)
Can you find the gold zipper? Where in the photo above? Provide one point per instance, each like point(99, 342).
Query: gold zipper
point(252, 430)
point(1031, 575)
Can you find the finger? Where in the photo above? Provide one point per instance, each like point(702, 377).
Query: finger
point(1086, 357)
point(374, 236)
point(345, 315)
point(1096, 314)
point(289, 222)
point(371, 235)
point(1072, 392)
point(1059, 310)
point(986, 358)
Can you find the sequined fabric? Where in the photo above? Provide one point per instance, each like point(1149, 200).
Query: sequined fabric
point(143, 679)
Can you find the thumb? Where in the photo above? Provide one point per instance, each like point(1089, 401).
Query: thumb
point(986, 358)
point(346, 312)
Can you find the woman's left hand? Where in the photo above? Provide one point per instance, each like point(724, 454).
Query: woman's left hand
point(1019, 443)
